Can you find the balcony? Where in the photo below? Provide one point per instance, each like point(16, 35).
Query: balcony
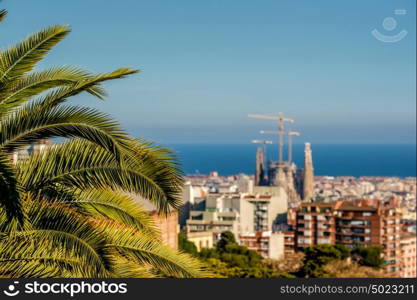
point(303, 241)
point(356, 223)
point(321, 218)
point(323, 241)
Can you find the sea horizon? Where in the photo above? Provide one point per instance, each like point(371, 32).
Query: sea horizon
point(388, 160)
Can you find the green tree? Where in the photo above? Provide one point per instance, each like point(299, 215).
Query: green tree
point(240, 256)
point(370, 256)
point(228, 259)
point(226, 238)
point(185, 245)
point(70, 210)
point(344, 251)
point(316, 257)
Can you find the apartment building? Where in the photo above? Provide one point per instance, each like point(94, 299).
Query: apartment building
point(239, 212)
point(408, 255)
point(315, 224)
point(365, 223)
point(201, 239)
point(289, 242)
point(267, 243)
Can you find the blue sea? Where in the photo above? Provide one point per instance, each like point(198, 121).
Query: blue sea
point(332, 160)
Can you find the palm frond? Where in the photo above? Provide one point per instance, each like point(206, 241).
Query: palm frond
point(10, 199)
point(115, 205)
point(162, 166)
point(126, 268)
point(32, 123)
point(90, 84)
point(20, 91)
point(81, 164)
point(50, 260)
point(3, 14)
point(21, 58)
point(57, 224)
point(71, 210)
point(144, 249)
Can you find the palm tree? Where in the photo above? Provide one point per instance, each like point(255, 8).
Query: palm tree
point(70, 210)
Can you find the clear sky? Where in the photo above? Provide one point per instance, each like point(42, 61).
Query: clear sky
point(207, 64)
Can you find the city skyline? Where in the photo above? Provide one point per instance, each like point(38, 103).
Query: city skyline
point(259, 140)
point(205, 66)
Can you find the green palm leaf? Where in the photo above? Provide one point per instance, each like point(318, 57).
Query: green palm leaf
point(21, 58)
point(71, 210)
point(3, 14)
point(144, 249)
point(82, 165)
point(57, 224)
point(32, 123)
point(114, 205)
point(129, 269)
point(50, 260)
point(91, 84)
point(35, 83)
point(9, 191)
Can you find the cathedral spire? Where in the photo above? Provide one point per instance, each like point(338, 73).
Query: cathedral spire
point(308, 176)
point(260, 167)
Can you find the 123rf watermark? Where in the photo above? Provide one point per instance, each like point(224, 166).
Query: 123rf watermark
point(61, 288)
point(390, 24)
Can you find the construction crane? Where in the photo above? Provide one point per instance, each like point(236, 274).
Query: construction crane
point(281, 132)
point(290, 135)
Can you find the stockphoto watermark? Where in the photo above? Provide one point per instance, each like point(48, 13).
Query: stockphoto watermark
point(64, 288)
point(389, 25)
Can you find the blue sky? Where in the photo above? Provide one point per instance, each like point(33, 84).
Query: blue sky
point(207, 64)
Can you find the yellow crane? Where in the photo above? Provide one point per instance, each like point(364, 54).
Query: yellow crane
point(281, 131)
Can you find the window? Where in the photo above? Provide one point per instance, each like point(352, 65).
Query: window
point(358, 230)
point(303, 241)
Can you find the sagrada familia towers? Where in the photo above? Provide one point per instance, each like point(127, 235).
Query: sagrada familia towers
point(298, 183)
point(308, 174)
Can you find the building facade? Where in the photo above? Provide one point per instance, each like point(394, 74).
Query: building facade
point(168, 227)
point(201, 239)
point(408, 255)
point(352, 224)
point(239, 212)
point(267, 243)
point(315, 224)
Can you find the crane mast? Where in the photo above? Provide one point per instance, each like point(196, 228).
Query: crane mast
point(281, 131)
point(290, 135)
